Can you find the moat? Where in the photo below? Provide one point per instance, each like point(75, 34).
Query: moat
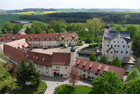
point(127, 67)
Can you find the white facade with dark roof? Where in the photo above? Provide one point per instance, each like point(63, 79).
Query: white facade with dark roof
point(116, 43)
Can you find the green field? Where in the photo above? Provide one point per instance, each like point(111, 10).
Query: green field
point(80, 89)
point(8, 18)
point(35, 12)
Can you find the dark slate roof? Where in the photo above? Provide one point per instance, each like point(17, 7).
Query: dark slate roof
point(125, 35)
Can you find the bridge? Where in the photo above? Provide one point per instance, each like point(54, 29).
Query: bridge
point(86, 52)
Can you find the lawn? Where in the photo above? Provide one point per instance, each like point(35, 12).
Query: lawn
point(80, 89)
point(31, 90)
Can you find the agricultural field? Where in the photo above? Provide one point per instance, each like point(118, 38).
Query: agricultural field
point(8, 18)
point(36, 12)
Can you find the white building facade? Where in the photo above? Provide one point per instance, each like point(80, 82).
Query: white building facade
point(116, 43)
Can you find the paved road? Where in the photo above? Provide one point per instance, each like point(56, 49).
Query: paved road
point(81, 47)
point(53, 82)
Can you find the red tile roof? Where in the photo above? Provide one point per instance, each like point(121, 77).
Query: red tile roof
point(98, 68)
point(61, 59)
point(15, 54)
point(40, 37)
point(39, 58)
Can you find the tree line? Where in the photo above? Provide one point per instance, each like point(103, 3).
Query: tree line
point(108, 17)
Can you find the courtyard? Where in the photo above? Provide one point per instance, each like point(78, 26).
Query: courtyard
point(53, 82)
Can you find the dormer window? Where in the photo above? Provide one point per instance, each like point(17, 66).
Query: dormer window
point(84, 64)
point(43, 60)
point(89, 67)
point(26, 56)
point(37, 58)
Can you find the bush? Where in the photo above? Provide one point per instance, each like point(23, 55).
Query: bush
point(89, 40)
point(79, 44)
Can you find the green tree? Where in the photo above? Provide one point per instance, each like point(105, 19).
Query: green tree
point(8, 27)
point(133, 86)
point(136, 43)
point(93, 57)
point(7, 82)
point(132, 75)
point(94, 26)
point(26, 72)
point(118, 27)
point(16, 28)
point(132, 29)
point(104, 59)
point(116, 62)
point(108, 83)
point(51, 31)
point(31, 31)
point(38, 30)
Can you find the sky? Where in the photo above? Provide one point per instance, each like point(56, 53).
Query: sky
point(20, 4)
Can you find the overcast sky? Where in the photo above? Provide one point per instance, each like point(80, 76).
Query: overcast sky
point(20, 4)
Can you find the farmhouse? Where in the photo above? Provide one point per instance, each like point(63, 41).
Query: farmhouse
point(57, 63)
point(116, 43)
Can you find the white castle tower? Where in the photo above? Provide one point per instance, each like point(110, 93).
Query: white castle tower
point(104, 42)
point(73, 56)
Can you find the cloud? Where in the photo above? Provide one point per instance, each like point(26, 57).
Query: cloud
point(19, 4)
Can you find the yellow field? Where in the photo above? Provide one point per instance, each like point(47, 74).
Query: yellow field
point(36, 12)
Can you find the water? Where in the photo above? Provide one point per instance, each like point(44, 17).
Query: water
point(130, 67)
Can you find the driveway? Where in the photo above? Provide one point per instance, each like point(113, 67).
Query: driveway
point(53, 82)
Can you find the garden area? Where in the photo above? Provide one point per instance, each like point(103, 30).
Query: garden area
point(79, 89)
point(32, 90)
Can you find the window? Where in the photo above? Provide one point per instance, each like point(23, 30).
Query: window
point(65, 67)
point(106, 50)
point(118, 46)
point(111, 45)
point(114, 45)
point(123, 46)
point(128, 46)
point(114, 41)
point(122, 41)
point(111, 52)
point(118, 41)
point(117, 51)
point(126, 51)
point(107, 45)
point(88, 72)
point(121, 51)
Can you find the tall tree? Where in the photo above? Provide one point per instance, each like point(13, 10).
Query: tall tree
point(132, 29)
point(16, 28)
point(104, 59)
point(7, 82)
point(26, 72)
point(94, 26)
point(93, 57)
point(8, 27)
point(73, 76)
point(132, 75)
point(133, 86)
point(118, 27)
point(116, 62)
point(108, 83)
